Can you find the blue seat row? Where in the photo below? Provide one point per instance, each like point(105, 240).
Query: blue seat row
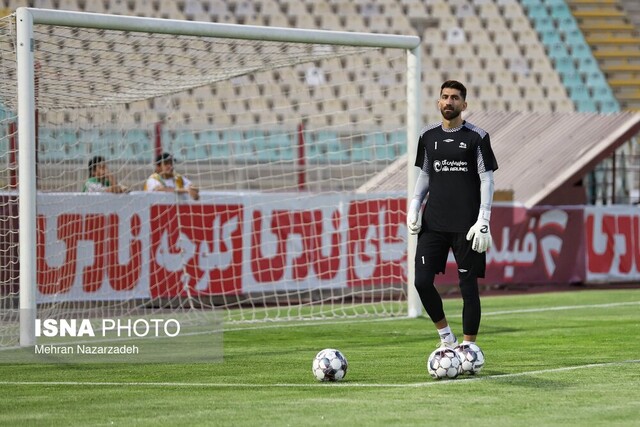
point(235, 145)
point(571, 55)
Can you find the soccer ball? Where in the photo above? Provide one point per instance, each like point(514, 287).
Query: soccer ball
point(472, 358)
point(329, 365)
point(443, 363)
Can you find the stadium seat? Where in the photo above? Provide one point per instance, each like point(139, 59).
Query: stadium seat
point(218, 149)
point(587, 65)
point(519, 105)
point(510, 51)
point(433, 35)
point(586, 106)
point(567, 23)
point(462, 51)
point(399, 140)
point(571, 81)
point(550, 37)
point(602, 92)
point(530, 3)
point(284, 145)
point(541, 106)
point(581, 51)
point(239, 148)
point(596, 79)
point(362, 152)
point(137, 145)
point(455, 36)
point(580, 93)
point(573, 37)
point(489, 10)
point(533, 93)
point(512, 11)
point(557, 51)
point(544, 24)
point(537, 12)
point(188, 147)
point(559, 10)
point(564, 106)
point(53, 144)
point(608, 106)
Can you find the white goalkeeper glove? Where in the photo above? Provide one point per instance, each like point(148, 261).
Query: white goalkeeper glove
point(413, 217)
point(481, 233)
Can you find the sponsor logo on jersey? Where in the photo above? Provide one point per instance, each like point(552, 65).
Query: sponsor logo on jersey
point(450, 166)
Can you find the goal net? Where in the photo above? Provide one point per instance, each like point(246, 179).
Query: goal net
point(278, 128)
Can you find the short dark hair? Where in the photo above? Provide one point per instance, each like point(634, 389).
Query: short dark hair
point(164, 158)
point(454, 84)
point(93, 163)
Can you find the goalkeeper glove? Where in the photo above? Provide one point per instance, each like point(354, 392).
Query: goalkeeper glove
point(413, 217)
point(480, 232)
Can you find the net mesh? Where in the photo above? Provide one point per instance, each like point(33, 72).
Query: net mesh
point(277, 136)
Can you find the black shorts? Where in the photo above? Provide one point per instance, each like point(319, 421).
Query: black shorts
point(433, 249)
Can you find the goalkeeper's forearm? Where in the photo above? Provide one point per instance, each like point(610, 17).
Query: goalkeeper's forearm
point(415, 205)
point(486, 195)
point(422, 187)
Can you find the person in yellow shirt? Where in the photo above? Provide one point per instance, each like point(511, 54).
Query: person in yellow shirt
point(166, 179)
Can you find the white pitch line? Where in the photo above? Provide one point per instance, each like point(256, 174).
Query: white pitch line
point(310, 322)
point(560, 308)
point(314, 384)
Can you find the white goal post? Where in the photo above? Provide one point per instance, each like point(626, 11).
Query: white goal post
point(26, 19)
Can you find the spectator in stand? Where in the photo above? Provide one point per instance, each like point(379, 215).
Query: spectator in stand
point(100, 179)
point(166, 179)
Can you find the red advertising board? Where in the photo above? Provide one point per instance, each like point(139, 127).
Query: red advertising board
point(234, 244)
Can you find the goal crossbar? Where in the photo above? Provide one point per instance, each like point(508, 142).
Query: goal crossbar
point(210, 29)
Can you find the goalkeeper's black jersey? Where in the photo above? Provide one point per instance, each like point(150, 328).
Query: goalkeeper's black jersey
point(453, 158)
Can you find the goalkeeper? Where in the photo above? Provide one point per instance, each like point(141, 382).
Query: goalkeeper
point(457, 165)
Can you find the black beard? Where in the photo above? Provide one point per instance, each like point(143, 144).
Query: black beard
point(450, 114)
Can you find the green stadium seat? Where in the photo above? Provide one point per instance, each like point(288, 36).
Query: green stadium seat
point(241, 150)
point(530, 3)
point(609, 106)
point(329, 148)
point(567, 23)
point(565, 66)
point(52, 145)
point(557, 51)
point(602, 92)
point(137, 146)
point(188, 147)
point(551, 3)
point(586, 106)
point(544, 24)
point(595, 79)
point(537, 12)
point(550, 37)
point(281, 146)
point(334, 152)
point(362, 152)
point(218, 148)
point(574, 38)
point(581, 51)
point(587, 65)
point(312, 153)
point(559, 10)
point(572, 80)
point(580, 93)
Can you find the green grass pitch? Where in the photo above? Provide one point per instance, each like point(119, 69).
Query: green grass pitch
point(560, 359)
